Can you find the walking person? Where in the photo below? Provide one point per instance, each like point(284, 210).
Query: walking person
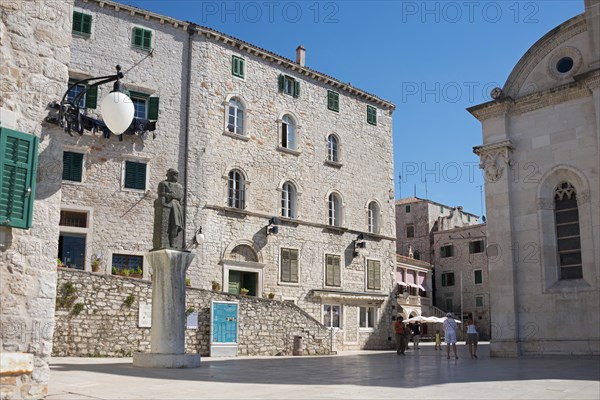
point(450, 329)
point(416, 332)
point(399, 332)
point(472, 337)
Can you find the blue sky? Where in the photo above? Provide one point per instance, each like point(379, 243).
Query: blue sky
point(433, 59)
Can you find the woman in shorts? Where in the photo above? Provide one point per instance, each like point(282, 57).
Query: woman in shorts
point(472, 337)
point(450, 329)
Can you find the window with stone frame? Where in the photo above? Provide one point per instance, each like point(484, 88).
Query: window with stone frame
point(72, 166)
point(568, 243)
point(333, 149)
point(335, 210)
point(478, 276)
point(373, 275)
point(332, 315)
point(410, 231)
point(367, 317)
point(142, 38)
point(135, 175)
point(238, 66)
point(82, 24)
point(371, 115)
point(477, 246)
point(478, 301)
point(288, 132)
point(289, 85)
point(333, 271)
point(288, 200)
point(236, 190)
point(333, 101)
point(236, 116)
point(289, 265)
point(373, 217)
point(447, 251)
point(448, 279)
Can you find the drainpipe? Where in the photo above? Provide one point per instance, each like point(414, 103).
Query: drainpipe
point(191, 29)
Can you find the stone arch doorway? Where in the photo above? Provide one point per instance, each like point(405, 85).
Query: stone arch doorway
point(242, 269)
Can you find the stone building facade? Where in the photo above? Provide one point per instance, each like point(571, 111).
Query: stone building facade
point(416, 221)
point(461, 275)
point(254, 136)
point(35, 47)
point(540, 156)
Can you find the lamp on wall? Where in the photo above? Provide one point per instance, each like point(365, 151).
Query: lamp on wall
point(273, 227)
point(117, 107)
point(359, 243)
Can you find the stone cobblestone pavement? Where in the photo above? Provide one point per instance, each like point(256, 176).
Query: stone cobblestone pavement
point(424, 374)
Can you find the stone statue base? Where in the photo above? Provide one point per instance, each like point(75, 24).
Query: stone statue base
point(167, 334)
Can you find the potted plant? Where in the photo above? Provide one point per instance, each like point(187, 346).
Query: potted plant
point(95, 263)
point(136, 272)
point(244, 291)
point(216, 286)
point(188, 282)
point(271, 296)
point(59, 263)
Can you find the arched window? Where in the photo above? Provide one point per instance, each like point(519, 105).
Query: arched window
point(566, 220)
point(332, 149)
point(288, 200)
point(373, 217)
point(417, 255)
point(236, 117)
point(236, 186)
point(335, 210)
point(288, 133)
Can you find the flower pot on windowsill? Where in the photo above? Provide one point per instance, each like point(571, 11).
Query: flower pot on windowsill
point(271, 296)
point(244, 292)
point(216, 286)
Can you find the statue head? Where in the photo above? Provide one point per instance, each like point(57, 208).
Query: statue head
point(172, 174)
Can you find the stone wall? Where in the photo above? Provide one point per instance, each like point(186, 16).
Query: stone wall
point(94, 319)
point(35, 40)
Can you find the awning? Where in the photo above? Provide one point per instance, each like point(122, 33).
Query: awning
point(401, 283)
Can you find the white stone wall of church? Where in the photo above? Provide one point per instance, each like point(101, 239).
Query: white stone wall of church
point(35, 51)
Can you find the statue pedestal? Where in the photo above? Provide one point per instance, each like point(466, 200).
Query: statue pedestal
point(167, 334)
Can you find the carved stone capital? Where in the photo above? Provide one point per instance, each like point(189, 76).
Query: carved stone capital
point(494, 158)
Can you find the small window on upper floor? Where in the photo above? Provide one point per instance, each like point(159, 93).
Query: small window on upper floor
point(289, 85)
point(333, 154)
point(87, 100)
point(373, 217)
point(236, 117)
point(447, 251)
point(288, 200)
point(145, 107)
point(238, 66)
point(72, 166)
point(478, 276)
point(236, 190)
point(410, 231)
point(135, 175)
point(288, 133)
point(448, 279)
point(142, 39)
point(372, 115)
point(476, 247)
point(333, 101)
point(335, 210)
point(82, 24)
point(407, 209)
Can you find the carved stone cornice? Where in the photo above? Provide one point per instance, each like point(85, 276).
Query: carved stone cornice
point(494, 158)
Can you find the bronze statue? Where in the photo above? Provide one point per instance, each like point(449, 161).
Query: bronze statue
point(168, 213)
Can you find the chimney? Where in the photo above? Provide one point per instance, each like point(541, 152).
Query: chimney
point(301, 55)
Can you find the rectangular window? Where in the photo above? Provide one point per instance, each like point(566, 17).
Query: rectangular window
point(373, 275)
point(126, 262)
point(82, 23)
point(406, 209)
point(478, 301)
point(237, 66)
point(142, 39)
point(135, 175)
point(289, 265)
point(447, 251)
point(145, 107)
point(448, 279)
point(449, 304)
point(333, 101)
point(478, 276)
point(289, 85)
point(72, 166)
point(333, 270)
point(71, 250)
point(367, 317)
point(476, 247)
point(410, 231)
point(73, 218)
point(88, 100)
point(372, 115)
point(332, 316)
point(18, 169)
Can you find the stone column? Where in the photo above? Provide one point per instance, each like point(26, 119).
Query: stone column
point(167, 334)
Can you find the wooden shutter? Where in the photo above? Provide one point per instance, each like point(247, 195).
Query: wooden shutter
point(337, 277)
point(135, 175)
point(77, 22)
point(87, 24)
point(296, 88)
point(285, 265)
point(281, 82)
point(72, 166)
point(18, 168)
point(373, 275)
point(91, 97)
point(147, 39)
point(293, 265)
point(329, 274)
point(138, 37)
point(443, 251)
point(153, 108)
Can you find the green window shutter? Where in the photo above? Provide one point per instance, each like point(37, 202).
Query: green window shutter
point(333, 101)
point(77, 22)
point(471, 247)
point(147, 40)
point(91, 97)
point(329, 275)
point(142, 38)
point(72, 166)
point(87, 24)
point(371, 115)
point(237, 66)
point(153, 108)
point(296, 88)
point(18, 168)
point(138, 37)
point(281, 82)
point(135, 175)
point(444, 283)
point(337, 278)
point(370, 275)
point(377, 276)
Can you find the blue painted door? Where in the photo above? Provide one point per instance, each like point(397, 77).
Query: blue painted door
point(225, 322)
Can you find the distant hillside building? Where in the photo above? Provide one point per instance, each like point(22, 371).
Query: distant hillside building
point(540, 155)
